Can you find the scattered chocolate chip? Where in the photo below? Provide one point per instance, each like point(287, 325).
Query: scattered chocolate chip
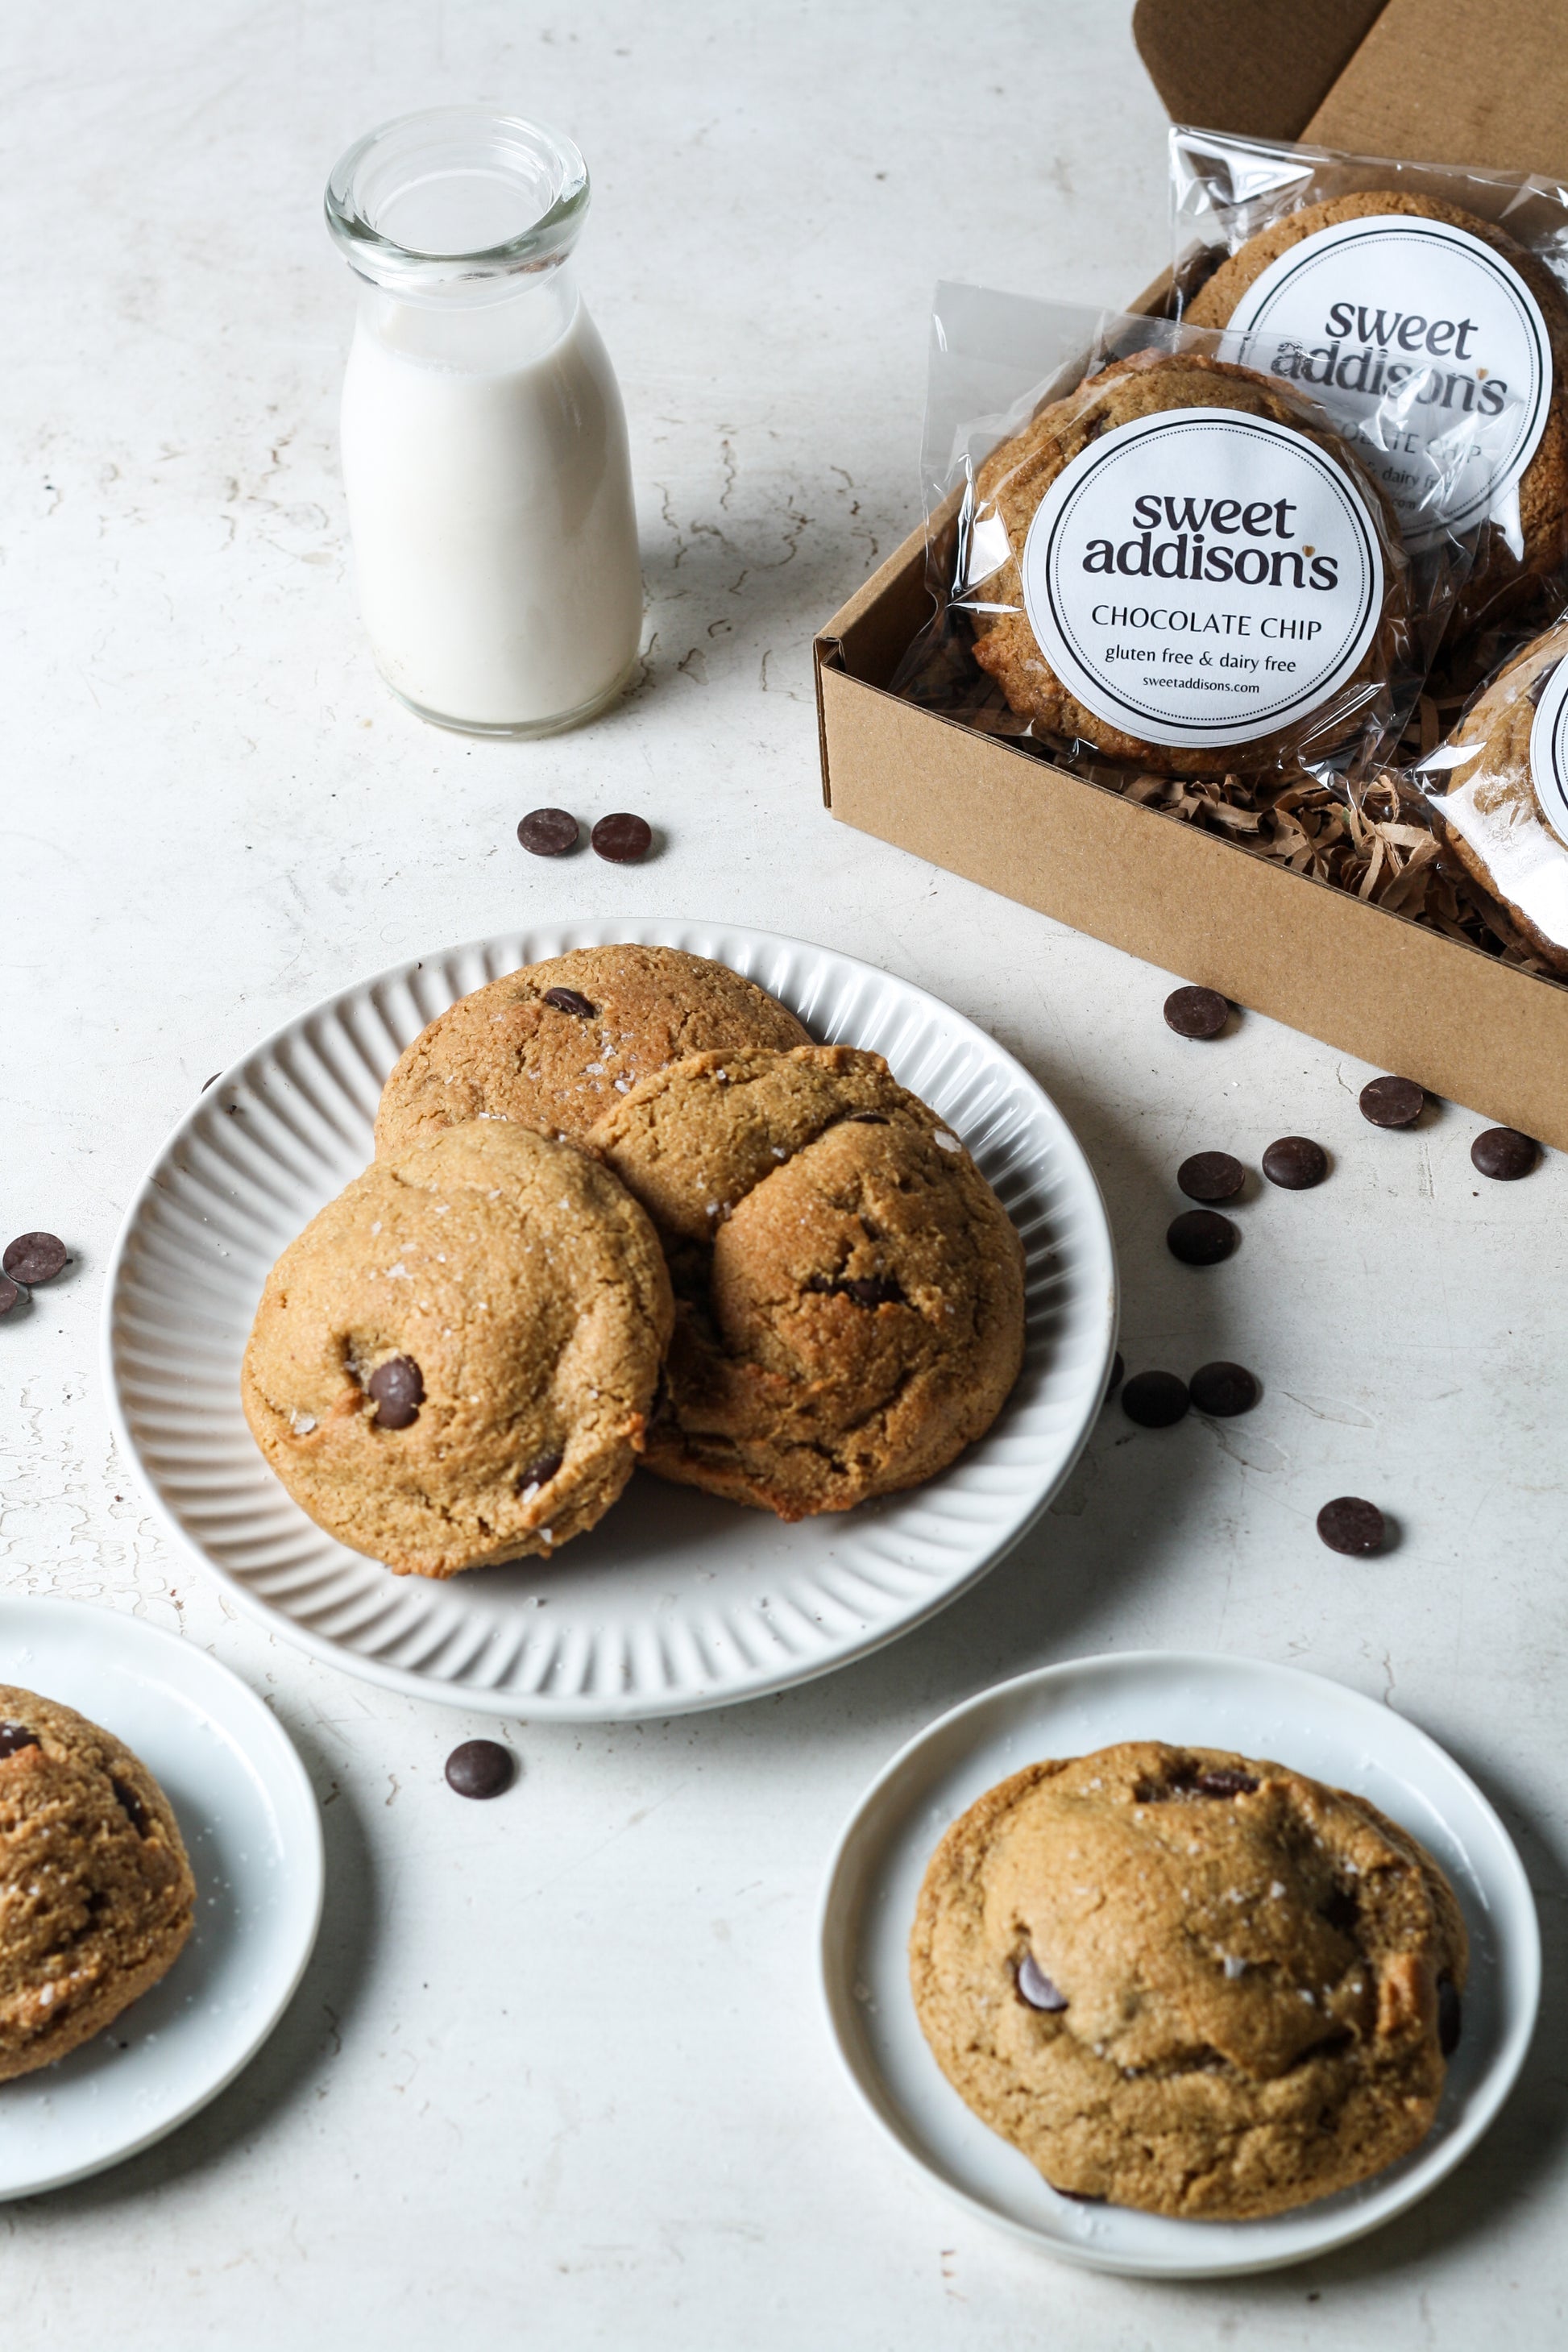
point(1352, 1525)
point(1296, 1163)
point(1450, 2016)
point(32, 1258)
point(549, 832)
point(1391, 1102)
point(1154, 1399)
point(1224, 1389)
point(479, 1768)
point(398, 1390)
point(9, 1294)
point(540, 1473)
point(1117, 1369)
point(1223, 1780)
point(131, 1805)
point(1036, 1987)
point(15, 1735)
point(1342, 1910)
point(1501, 1152)
point(569, 1000)
point(1196, 1012)
point(1200, 1237)
point(624, 839)
point(1211, 1176)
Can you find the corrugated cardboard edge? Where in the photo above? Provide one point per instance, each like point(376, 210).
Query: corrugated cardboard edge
point(1261, 67)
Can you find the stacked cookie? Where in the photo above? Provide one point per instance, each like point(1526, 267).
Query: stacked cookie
point(623, 1207)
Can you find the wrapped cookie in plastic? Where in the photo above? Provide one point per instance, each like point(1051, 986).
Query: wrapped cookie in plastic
point(1164, 561)
point(1499, 789)
point(1356, 276)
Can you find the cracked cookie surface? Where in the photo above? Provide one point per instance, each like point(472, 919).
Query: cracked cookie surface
point(552, 1046)
point(95, 1891)
point(1190, 1982)
point(454, 1362)
point(849, 1289)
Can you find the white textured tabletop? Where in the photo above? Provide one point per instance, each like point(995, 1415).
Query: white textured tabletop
point(556, 2073)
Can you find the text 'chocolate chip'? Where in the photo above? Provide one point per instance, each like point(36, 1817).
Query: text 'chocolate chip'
point(397, 1388)
point(1211, 1176)
point(1350, 1525)
point(479, 1768)
point(1296, 1163)
point(1224, 1389)
point(1501, 1153)
point(1154, 1399)
point(549, 832)
point(568, 1000)
point(1196, 1012)
point(1200, 1237)
point(623, 838)
point(32, 1258)
point(1391, 1102)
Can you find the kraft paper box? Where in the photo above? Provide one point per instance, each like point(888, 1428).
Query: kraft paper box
point(1461, 81)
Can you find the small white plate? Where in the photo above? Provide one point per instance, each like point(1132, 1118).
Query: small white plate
point(1254, 1709)
point(676, 1600)
point(248, 1817)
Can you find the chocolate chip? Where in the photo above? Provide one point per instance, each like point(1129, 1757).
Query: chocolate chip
point(1342, 1910)
point(866, 1290)
point(1223, 1780)
point(568, 1000)
point(131, 1805)
point(1501, 1152)
point(398, 1389)
point(1037, 1987)
point(549, 832)
point(479, 1768)
point(1117, 1370)
point(9, 1294)
point(1391, 1102)
point(32, 1258)
point(1154, 1399)
point(1296, 1163)
point(1196, 1012)
point(15, 1736)
point(540, 1473)
point(1450, 2016)
point(624, 839)
point(868, 1119)
point(1224, 1389)
point(1200, 1237)
point(1211, 1176)
point(1352, 1525)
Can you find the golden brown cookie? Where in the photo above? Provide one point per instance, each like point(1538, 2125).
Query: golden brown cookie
point(1016, 478)
point(1189, 1982)
point(850, 1291)
point(96, 1892)
point(1499, 579)
point(550, 1047)
point(454, 1362)
point(1491, 813)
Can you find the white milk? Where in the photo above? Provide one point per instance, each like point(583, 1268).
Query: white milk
point(495, 541)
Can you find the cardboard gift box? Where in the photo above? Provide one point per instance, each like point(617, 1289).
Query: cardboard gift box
point(1461, 81)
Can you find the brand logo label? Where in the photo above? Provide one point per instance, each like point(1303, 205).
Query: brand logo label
point(1548, 751)
point(1201, 577)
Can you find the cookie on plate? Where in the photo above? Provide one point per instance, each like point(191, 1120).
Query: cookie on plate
point(1185, 1981)
point(850, 1291)
point(550, 1047)
point(1499, 578)
point(1015, 479)
point(96, 1894)
point(1492, 815)
point(454, 1362)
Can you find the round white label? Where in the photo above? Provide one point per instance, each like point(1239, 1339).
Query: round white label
point(1549, 750)
point(1201, 577)
point(1431, 315)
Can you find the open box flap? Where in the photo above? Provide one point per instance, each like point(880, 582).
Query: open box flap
point(1262, 67)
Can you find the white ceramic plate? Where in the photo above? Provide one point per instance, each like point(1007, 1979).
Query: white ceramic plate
point(1275, 1712)
point(676, 1600)
point(250, 1824)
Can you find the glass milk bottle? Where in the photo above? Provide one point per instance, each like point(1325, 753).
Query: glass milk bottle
point(484, 444)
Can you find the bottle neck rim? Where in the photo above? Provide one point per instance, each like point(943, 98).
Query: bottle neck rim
point(457, 200)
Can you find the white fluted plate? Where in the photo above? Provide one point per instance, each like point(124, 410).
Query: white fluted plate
point(675, 1601)
point(248, 1817)
point(1254, 1710)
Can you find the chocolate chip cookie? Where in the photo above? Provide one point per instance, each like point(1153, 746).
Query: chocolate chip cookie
point(850, 1291)
point(1491, 813)
point(96, 1892)
point(1016, 477)
point(550, 1047)
point(1189, 1982)
point(455, 1361)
